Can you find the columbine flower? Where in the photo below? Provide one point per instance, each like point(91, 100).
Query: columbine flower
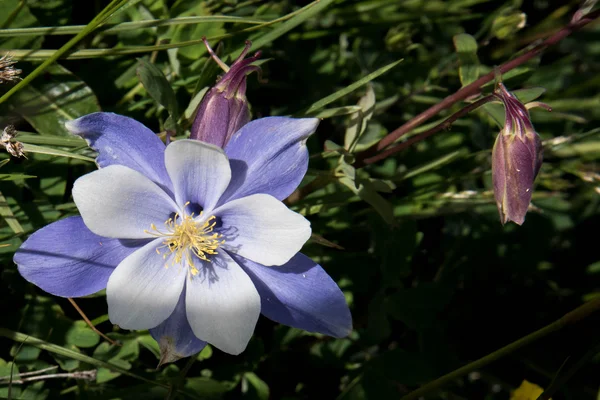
point(224, 108)
point(190, 241)
point(516, 160)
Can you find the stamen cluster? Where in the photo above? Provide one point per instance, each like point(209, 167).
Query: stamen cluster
point(185, 237)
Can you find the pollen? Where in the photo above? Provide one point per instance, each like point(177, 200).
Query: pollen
point(185, 237)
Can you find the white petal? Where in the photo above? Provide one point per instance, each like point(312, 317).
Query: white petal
point(222, 304)
point(119, 202)
point(200, 172)
point(262, 229)
point(144, 289)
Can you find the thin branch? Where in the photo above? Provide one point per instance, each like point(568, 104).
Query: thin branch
point(474, 87)
point(570, 318)
point(86, 375)
point(89, 323)
point(444, 125)
point(41, 371)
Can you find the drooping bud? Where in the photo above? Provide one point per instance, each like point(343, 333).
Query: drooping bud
point(516, 159)
point(224, 108)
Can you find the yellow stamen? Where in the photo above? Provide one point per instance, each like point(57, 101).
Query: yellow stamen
point(185, 237)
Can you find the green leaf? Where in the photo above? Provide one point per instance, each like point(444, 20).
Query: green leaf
point(14, 177)
point(16, 14)
point(419, 307)
point(64, 141)
point(259, 389)
point(336, 112)
point(208, 389)
point(358, 122)
point(8, 216)
point(31, 148)
point(181, 33)
point(299, 17)
point(50, 102)
point(466, 49)
point(206, 353)
point(149, 343)
point(81, 335)
point(349, 89)
point(159, 88)
point(366, 191)
point(20, 337)
point(505, 26)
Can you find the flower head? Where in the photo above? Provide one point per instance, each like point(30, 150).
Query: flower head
point(516, 160)
point(190, 240)
point(224, 108)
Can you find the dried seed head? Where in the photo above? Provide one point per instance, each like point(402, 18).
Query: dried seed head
point(13, 148)
point(7, 72)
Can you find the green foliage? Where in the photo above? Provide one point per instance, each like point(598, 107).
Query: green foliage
point(414, 241)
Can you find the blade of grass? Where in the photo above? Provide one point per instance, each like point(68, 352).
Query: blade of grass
point(53, 348)
point(127, 26)
point(31, 148)
point(66, 141)
point(348, 89)
point(34, 55)
point(99, 19)
point(8, 216)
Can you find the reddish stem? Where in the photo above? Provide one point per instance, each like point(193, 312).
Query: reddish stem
point(417, 138)
point(474, 87)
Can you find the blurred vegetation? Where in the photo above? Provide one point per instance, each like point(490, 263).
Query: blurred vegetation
point(433, 279)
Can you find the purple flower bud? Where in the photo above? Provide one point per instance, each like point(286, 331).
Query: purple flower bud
point(516, 160)
point(224, 108)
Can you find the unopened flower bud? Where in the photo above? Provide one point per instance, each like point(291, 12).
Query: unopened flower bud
point(516, 160)
point(224, 108)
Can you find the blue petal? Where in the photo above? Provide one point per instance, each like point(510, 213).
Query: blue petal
point(269, 156)
point(66, 259)
point(300, 294)
point(124, 141)
point(175, 337)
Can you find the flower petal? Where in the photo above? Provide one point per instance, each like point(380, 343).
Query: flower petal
point(262, 229)
point(269, 156)
point(199, 171)
point(119, 202)
point(175, 336)
point(222, 304)
point(300, 294)
point(123, 141)
point(144, 289)
point(66, 259)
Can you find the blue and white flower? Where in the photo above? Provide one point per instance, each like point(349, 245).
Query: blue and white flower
point(190, 240)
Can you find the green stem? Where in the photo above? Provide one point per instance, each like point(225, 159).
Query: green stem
point(29, 55)
point(576, 315)
point(53, 348)
point(99, 19)
point(126, 26)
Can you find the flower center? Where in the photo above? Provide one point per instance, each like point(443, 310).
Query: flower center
point(185, 237)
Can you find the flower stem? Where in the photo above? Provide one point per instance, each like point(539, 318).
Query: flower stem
point(89, 323)
point(361, 162)
point(572, 317)
point(474, 87)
